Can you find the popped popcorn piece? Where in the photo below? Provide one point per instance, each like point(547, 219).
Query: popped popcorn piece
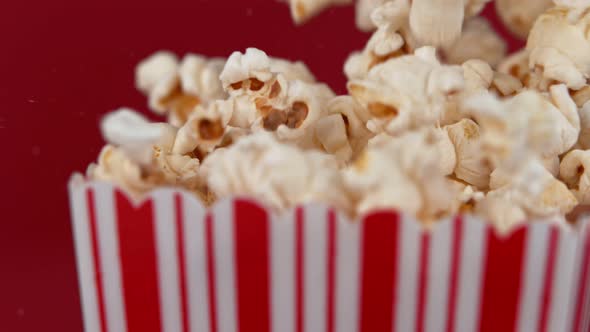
point(154, 69)
point(391, 39)
point(478, 41)
point(204, 130)
point(559, 47)
point(539, 193)
point(517, 65)
point(500, 209)
point(199, 76)
point(114, 165)
point(573, 171)
point(139, 155)
point(278, 174)
point(519, 16)
point(505, 85)
point(528, 124)
point(471, 166)
point(175, 89)
point(364, 8)
point(342, 131)
point(135, 134)
point(439, 22)
point(407, 92)
point(404, 173)
point(303, 10)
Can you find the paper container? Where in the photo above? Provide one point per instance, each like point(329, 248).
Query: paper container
point(168, 264)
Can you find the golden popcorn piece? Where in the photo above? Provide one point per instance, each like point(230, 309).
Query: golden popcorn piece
point(573, 172)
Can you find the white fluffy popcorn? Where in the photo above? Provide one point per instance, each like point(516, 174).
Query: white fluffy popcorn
point(403, 173)
point(439, 22)
point(279, 175)
point(407, 92)
point(559, 46)
point(342, 131)
point(176, 89)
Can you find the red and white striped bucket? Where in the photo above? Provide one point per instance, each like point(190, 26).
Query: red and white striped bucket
point(168, 264)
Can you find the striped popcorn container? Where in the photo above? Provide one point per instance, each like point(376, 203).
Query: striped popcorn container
point(168, 264)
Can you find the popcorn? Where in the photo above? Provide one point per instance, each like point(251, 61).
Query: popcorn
point(427, 136)
point(539, 193)
point(519, 16)
point(204, 130)
point(392, 39)
point(559, 48)
point(573, 171)
point(407, 92)
point(584, 138)
point(478, 41)
point(403, 173)
point(499, 208)
point(135, 134)
point(302, 10)
point(176, 89)
point(530, 122)
point(471, 166)
point(342, 132)
point(279, 175)
point(439, 22)
point(364, 8)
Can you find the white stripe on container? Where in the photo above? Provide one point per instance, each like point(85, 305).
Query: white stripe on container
point(282, 244)
point(575, 291)
point(315, 254)
point(532, 276)
point(83, 243)
point(167, 259)
point(408, 260)
point(471, 261)
point(347, 275)
point(196, 264)
point(562, 281)
point(438, 276)
point(106, 220)
point(225, 274)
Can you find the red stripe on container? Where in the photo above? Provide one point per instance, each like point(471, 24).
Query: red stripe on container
point(502, 284)
point(96, 259)
point(583, 289)
point(456, 247)
point(139, 269)
point(379, 272)
point(423, 281)
point(181, 263)
point(252, 267)
point(299, 272)
point(331, 270)
point(210, 245)
point(551, 254)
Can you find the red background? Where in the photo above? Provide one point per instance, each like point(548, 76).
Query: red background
point(64, 63)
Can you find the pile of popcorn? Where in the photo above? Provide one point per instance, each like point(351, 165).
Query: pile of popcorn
point(437, 120)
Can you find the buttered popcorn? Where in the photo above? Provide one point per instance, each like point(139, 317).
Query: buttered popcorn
point(437, 119)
